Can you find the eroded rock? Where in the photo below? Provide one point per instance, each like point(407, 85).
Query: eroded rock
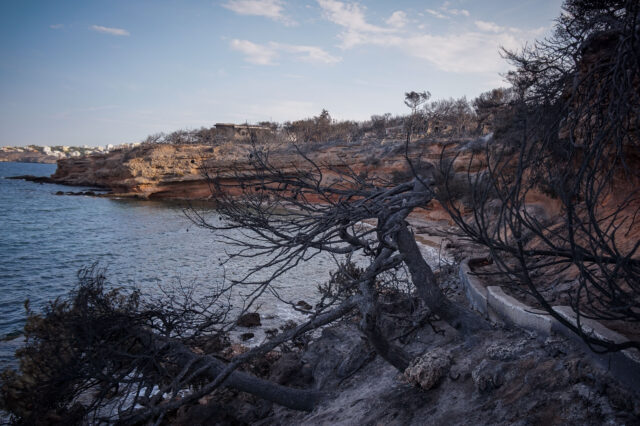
point(488, 375)
point(427, 370)
point(506, 352)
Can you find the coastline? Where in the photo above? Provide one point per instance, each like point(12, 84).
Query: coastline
point(504, 363)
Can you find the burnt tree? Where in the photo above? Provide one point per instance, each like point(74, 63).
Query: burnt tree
point(573, 137)
point(291, 212)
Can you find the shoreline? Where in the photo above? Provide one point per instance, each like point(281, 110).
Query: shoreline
point(374, 384)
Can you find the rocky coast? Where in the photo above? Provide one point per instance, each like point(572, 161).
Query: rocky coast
point(505, 374)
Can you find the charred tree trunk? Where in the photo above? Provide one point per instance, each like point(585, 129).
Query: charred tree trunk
point(427, 285)
point(297, 399)
point(391, 353)
point(368, 306)
point(219, 373)
point(210, 368)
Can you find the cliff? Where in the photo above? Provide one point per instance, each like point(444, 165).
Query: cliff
point(27, 157)
point(143, 171)
point(165, 171)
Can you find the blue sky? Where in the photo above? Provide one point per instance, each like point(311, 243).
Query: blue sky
point(110, 71)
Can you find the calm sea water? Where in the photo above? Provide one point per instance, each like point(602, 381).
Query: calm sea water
point(46, 238)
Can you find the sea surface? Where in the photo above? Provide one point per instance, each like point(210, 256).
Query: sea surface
point(46, 238)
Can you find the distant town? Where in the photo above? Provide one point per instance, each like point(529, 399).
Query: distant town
point(51, 154)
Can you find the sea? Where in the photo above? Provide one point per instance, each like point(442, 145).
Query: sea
point(45, 239)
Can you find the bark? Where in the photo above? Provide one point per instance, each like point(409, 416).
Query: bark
point(428, 288)
point(391, 353)
point(368, 306)
point(221, 373)
point(296, 399)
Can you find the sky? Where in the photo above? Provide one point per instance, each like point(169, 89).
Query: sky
point(96, 72)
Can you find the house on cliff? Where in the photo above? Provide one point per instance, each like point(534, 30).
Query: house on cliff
point(239, 132)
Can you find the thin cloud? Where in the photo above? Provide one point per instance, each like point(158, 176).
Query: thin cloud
point(266, 54)
point(254, 53)
point(350, 16)
point(272, 9)
point(445, 12)
point(492, 27)
point(445, 7)
point(111, 31)
point(311, 54)
point(436, 14)
point(398, 19)
point(463, 12)
point(464, 51)
point(468, 52)
point(489, 27)
point(56, 26)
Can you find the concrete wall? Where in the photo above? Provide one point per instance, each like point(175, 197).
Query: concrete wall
point(495, 304)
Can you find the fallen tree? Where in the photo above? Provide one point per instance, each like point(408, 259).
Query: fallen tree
point(127, 354)
point(104, 354)
point(114, 357)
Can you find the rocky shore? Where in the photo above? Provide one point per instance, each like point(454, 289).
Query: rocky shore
point(502, 376)
point(27, 157)
point(166, 171)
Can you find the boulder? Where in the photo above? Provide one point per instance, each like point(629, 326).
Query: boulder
point(251, 319)
point(427, 370)
point(488, 375)
point(247, 336)
point(304, 305)
point(289, 370)
point(271, 332)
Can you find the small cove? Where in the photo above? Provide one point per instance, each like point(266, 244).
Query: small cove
point(47, 238)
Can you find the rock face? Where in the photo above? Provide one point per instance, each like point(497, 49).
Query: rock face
point(149, 170)
point(166, 171)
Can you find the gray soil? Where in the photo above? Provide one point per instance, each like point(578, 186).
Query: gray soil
point(498, 376)
point(501, 376)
